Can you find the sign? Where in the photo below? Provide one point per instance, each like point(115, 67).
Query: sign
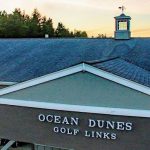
point(74, 123)
point(74, 130)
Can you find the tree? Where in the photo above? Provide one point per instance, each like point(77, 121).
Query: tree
point(61, 31)
point(102, 36)
point(12, 25)
point(47, 27)
point(20, 25)
point(35, 24)
point(81, 34)
point(3, 22)
point(16, 26)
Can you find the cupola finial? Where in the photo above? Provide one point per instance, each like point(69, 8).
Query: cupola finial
point(122, 8)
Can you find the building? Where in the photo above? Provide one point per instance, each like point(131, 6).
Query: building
point(76, 93)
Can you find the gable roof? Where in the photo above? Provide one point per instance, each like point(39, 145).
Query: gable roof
point(26, 59)
point(77, 108)
point(75, 69)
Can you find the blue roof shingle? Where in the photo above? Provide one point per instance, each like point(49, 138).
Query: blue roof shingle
point(25, 59)
point(126, 70)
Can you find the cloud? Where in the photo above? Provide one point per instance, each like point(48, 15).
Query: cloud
point(95, 16)
point(141, 30)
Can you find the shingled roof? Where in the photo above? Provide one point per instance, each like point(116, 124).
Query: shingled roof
point(25, 59)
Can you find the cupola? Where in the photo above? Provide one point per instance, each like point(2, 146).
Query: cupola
point(122, 26)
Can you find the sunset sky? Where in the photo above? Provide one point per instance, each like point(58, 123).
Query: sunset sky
point(93, 16)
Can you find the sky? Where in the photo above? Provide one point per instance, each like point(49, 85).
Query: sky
point(94, 16)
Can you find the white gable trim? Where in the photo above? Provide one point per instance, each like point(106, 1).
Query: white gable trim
point(118, 79)
point(73, 70)
point(77, 108)
point(43, 79)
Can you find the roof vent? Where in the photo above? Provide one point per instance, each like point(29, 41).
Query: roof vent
point(46, 36)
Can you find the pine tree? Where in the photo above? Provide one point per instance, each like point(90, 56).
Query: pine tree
point(35, 24)
point(47, 27)
point(61, 31)
point(20, 25)
point(3, 22)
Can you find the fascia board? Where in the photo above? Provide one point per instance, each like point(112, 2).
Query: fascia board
point(77, 108)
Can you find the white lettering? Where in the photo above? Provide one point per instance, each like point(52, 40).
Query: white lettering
point(100, 123)
point(110, 124)
point(67, 131)
point(41, 118)
point(120, 125)
point(106, 136)
point(76, 131)
point(92, 123)
point(49, 118)
point(128, 126)
point(56, 129)
point(57, 119)
point(87, 134)
point(65, 121)
point(74, 121)
point(99, 134)
point(63, 130)
point(113, 136)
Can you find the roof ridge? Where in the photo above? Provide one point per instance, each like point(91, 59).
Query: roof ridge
point(100, 60)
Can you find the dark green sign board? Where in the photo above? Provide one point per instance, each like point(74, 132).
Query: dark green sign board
point(74, 130)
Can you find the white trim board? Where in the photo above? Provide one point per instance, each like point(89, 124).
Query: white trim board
point(77, 108)
point(73, 70)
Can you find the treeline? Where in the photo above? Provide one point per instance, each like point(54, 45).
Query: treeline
point(18, 24)
point(103, 36)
